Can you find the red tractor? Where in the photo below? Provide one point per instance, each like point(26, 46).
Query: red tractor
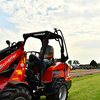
point(18, 82)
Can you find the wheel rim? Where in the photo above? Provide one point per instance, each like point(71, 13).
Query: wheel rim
point(62, 92)
point(20, 98)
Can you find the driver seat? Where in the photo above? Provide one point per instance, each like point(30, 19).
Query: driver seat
point(32, 63)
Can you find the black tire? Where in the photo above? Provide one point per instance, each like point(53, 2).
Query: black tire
point(60, 91)
point(15, 93)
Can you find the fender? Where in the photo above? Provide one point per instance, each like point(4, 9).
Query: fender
point(51, 84)
point(55, 79)
point(69, 82)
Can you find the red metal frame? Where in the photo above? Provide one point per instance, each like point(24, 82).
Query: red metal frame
point(9, 59)
point(19, 72)
point(58, 70)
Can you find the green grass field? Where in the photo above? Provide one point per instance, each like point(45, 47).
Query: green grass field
point(84, 88)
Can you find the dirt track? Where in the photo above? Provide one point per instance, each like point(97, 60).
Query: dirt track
point(81, 72)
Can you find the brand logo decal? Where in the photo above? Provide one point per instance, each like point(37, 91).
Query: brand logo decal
point(39, 34)
point(7, 61)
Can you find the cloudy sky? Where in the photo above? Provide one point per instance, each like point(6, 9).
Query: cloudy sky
point(79, 21)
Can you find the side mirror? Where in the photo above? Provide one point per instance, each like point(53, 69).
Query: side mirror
point(8, 42)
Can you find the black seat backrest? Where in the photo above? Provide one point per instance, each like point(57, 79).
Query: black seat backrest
point(32, 63)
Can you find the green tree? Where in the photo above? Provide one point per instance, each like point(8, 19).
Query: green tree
point(76, 62)
point(70, 62)
point(94, 64)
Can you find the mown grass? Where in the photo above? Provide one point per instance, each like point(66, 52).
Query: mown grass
point(84, 88)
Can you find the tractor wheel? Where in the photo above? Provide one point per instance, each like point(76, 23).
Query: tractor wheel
point(60, 91)
point(15, 93)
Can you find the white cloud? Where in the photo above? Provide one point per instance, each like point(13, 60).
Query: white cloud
point(79, 21)
point(5, 34)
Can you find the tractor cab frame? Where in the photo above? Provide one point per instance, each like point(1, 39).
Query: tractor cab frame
point(49, 35)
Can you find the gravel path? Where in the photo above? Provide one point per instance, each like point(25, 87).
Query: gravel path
point(81, 72)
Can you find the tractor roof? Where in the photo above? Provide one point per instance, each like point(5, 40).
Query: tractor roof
point(41, 35)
